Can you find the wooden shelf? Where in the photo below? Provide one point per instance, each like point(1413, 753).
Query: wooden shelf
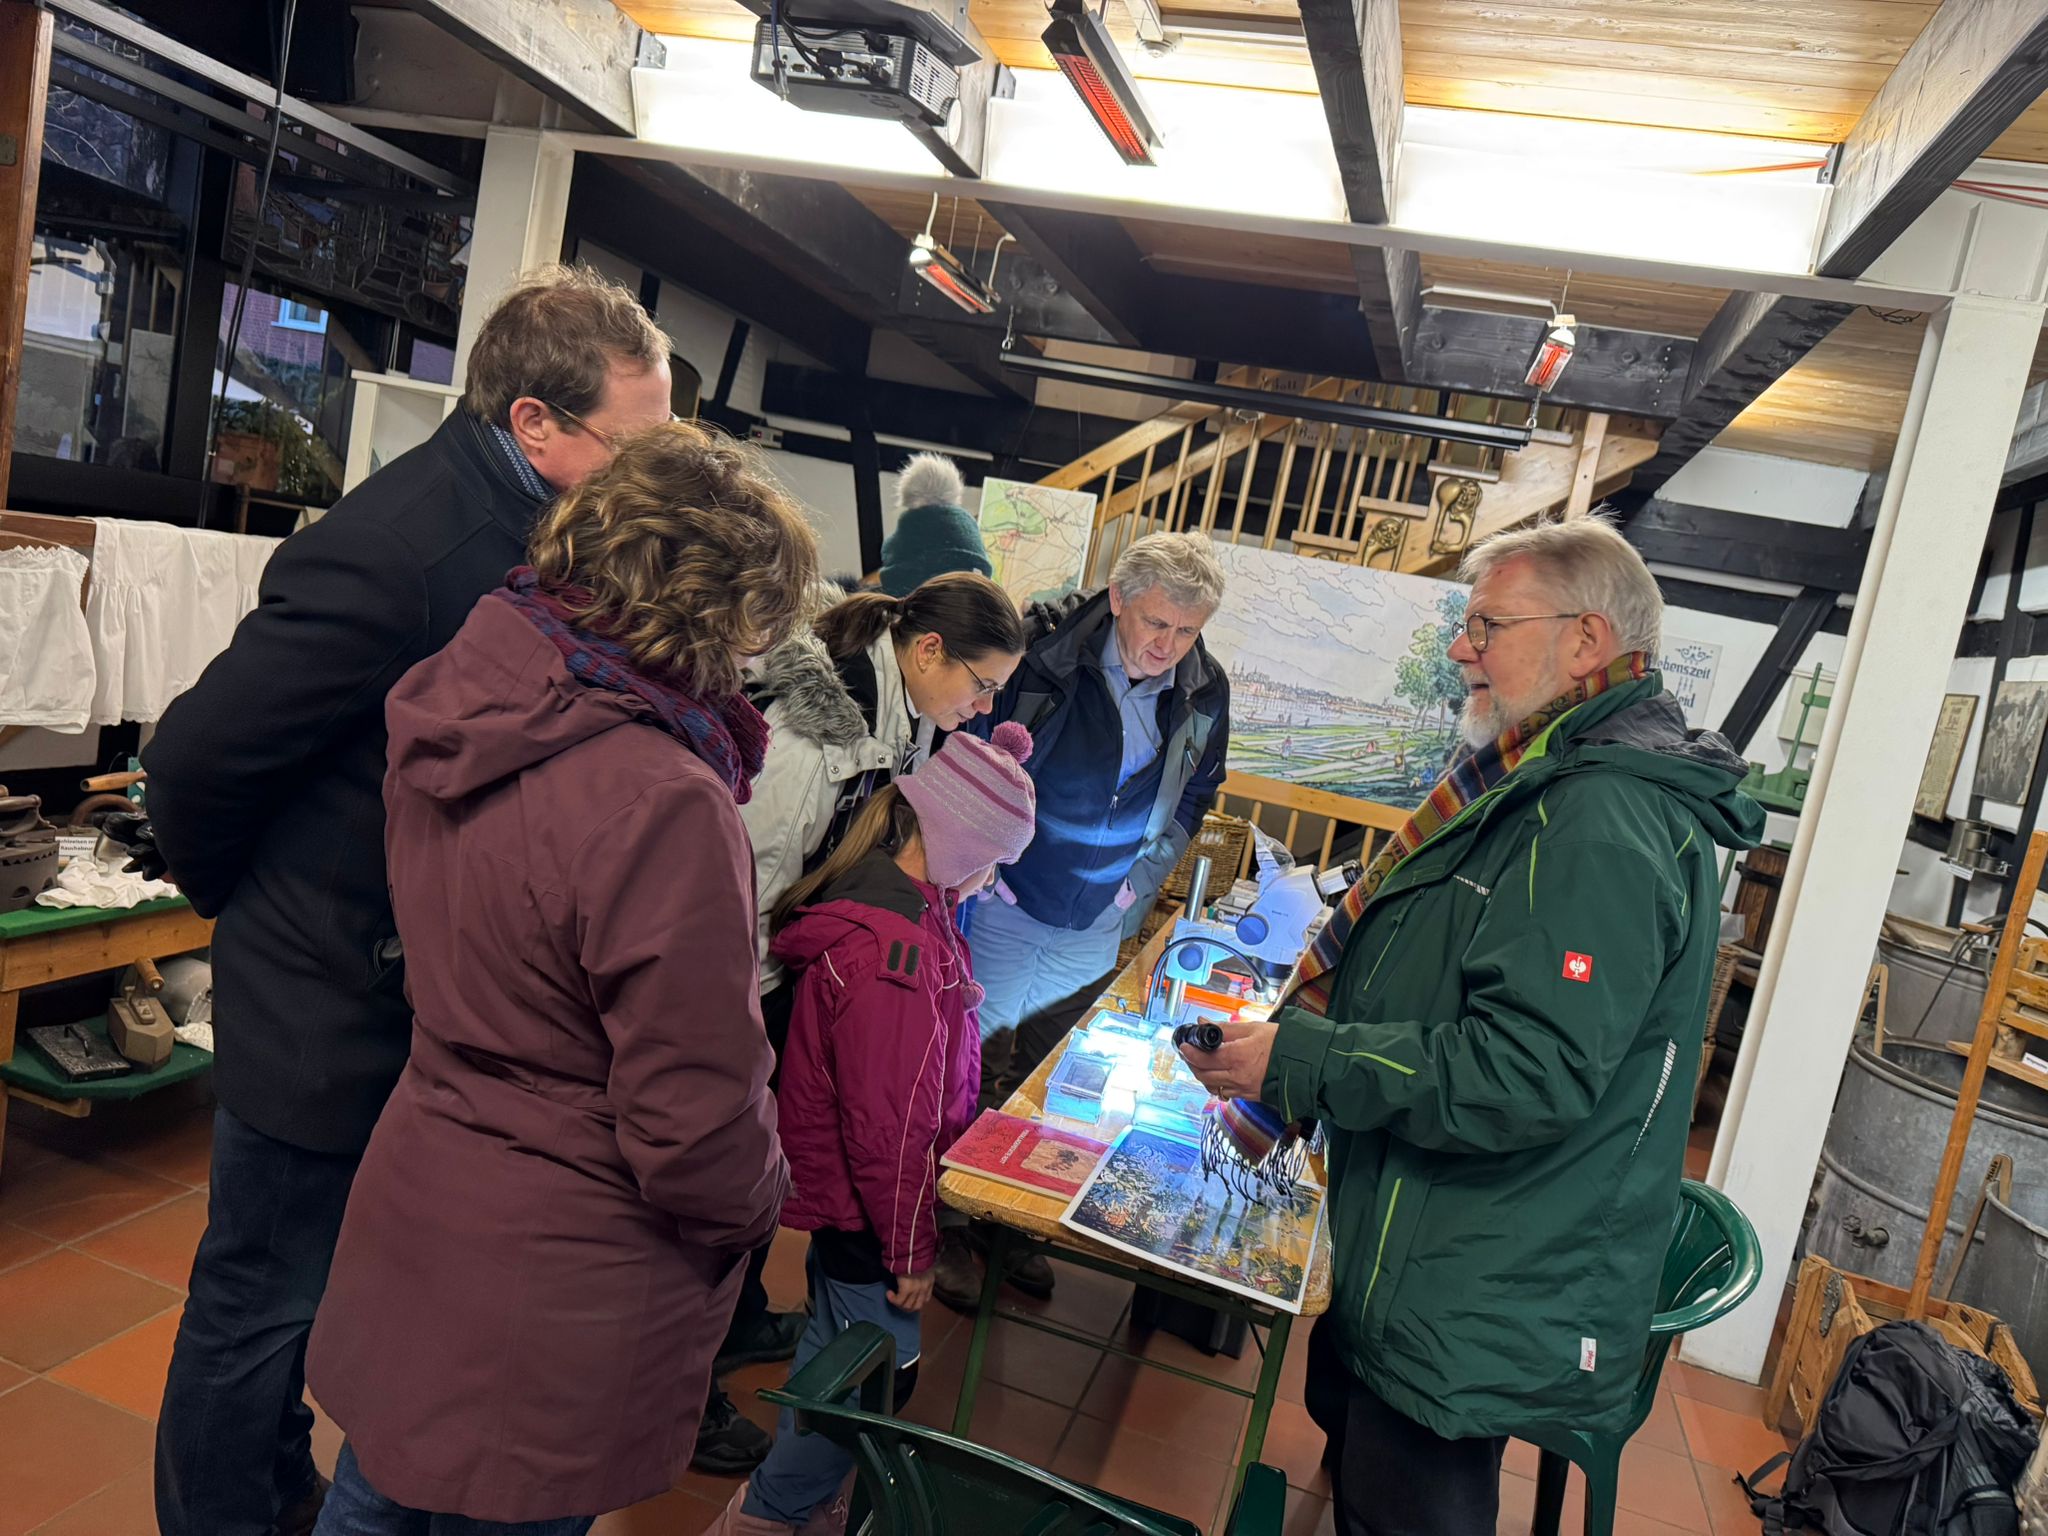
point(2027, 1021)
point(2009, 1068)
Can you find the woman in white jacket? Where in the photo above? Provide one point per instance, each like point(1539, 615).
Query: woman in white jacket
point(855, 702)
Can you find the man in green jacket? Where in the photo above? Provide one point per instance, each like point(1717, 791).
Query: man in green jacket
point(1499, 1030)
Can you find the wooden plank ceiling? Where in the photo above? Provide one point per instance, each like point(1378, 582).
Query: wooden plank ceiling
point(1795, 69)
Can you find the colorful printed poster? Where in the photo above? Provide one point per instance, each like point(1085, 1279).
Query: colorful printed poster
point(1149, 1197)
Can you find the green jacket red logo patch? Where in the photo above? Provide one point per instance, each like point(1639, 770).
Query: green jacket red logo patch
point(1577, 967)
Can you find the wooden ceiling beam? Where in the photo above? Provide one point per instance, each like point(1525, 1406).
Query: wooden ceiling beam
point(577, 52)
point(1094, 261)
point(1748, 347)
point(1974, 68)
point(821, 235)
point(1742, 544)
point(634, 213)
point(1035, 299)
point(1355, 47)
point(1631, 373)
point(1093, 258)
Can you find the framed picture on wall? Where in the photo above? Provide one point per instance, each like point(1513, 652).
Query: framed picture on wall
point(2012, 740)
point(1945, 755)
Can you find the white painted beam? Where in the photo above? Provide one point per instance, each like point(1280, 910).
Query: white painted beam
point(522, 204)
point(1908, 612)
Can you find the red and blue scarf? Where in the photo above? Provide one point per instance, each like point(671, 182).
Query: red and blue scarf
point(731, 737)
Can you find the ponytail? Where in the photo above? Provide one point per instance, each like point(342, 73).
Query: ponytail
point(886, 822)
point(853, 624)
point(971, 615)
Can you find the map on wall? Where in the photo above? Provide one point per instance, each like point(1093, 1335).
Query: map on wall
point(1338, 677)
point(1037, 537)
point(1689, 667)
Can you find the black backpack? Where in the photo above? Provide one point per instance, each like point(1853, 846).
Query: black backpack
point(1916, 1437)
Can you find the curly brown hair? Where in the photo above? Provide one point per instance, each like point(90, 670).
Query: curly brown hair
point(554, 335)
point(685, 551)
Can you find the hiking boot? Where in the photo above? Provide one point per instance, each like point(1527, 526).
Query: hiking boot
point(770, 1337)
point(1031, 1275)
point(729, 1444)
point(956, 1277)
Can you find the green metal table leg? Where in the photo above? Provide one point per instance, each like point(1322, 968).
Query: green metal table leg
point(991, 1286)
point(1268, 1388)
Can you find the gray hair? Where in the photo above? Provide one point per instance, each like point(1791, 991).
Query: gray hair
point(1182, 565)
point(1588, 567)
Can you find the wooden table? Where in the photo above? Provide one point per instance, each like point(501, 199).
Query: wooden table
point(1023, 1222)
point(40, 945)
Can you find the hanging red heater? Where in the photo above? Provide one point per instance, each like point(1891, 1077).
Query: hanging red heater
point(945, 272)
point(1559, 341)
point(1082, 47)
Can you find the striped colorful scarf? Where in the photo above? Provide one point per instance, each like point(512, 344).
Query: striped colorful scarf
point(1470, 776)
point(731, 737)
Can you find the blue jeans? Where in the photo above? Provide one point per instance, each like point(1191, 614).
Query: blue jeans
point(234, 1439)
point(1039, 980)
point(804, 1471)
point(354, 1508)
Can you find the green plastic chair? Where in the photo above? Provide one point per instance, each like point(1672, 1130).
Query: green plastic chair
point(1711, 1264)
point(915, 1481)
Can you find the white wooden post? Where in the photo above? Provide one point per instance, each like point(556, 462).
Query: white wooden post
point(522, 204)
point(1909, 612)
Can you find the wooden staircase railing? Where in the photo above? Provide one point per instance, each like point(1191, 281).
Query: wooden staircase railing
point(1387, 499)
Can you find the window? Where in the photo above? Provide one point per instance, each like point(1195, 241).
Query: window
point(97, 348)
point(296, 316)
point(282, 407)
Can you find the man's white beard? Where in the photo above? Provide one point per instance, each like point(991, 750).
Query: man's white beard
point(1487, 715)
point(1478, 724)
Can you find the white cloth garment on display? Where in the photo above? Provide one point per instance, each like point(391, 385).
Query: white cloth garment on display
point(163, 602)
point(46, 663)
point(84, 883)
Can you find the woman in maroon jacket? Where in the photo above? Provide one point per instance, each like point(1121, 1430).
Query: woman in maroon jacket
point(545, 1241)
point(880, 1073)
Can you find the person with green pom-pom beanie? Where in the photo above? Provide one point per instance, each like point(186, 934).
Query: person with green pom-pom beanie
point(934, 533)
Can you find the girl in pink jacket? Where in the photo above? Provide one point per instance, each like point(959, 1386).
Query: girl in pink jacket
point(880, 1073)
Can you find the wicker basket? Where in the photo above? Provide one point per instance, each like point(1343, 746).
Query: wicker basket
point(1221, 839)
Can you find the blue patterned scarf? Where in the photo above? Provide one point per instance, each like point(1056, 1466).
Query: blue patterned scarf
point(731, 737)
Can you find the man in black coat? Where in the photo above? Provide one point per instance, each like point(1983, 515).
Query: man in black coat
point(266, 804)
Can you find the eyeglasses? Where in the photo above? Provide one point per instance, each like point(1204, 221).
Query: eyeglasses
point(609, 439)
point(983, 688)
point(1479, 627)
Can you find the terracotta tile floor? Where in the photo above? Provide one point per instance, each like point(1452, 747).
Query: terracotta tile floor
point(98, 1220)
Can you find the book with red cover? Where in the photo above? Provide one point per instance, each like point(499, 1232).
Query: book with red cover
point(1026, 1154)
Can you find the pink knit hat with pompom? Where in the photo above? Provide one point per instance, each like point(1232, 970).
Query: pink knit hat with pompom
point(975, 803)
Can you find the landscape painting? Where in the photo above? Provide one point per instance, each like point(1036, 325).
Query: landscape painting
point(1338, 677)
point(1150, 1197)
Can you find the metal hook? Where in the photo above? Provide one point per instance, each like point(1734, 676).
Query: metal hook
point(995, 259)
